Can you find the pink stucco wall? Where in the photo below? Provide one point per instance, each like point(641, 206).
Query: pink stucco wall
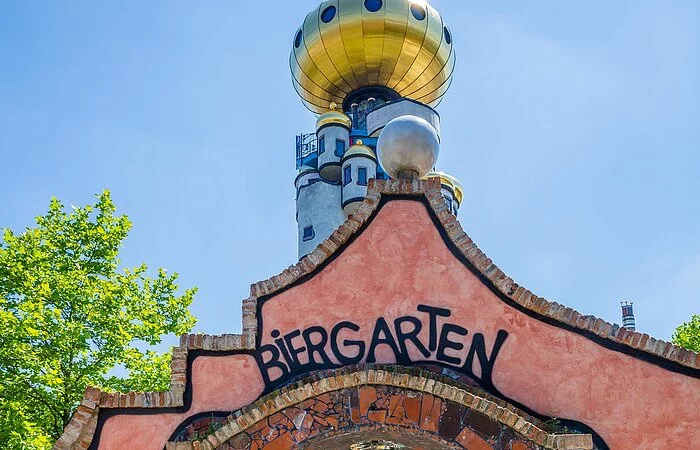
point(399, 262)
point(224, 383)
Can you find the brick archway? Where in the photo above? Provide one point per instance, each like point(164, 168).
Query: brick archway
point(360, 406)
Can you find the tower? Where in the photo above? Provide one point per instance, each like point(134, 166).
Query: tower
point(359, 165)
point(399, 332)
point(628, 316)
point(452, 190)
point(358, 65)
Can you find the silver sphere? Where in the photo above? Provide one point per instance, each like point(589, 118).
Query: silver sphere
point(408, 144)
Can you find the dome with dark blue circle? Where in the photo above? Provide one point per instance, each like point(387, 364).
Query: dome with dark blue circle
point(399, 48)
point(373, 5)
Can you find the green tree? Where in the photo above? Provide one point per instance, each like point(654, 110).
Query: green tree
point(688, 334)
point(69, 316)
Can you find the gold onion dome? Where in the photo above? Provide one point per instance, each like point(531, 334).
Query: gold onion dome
point(402, 46)
point(359, 149)
point(333, 117)
point(451, 182)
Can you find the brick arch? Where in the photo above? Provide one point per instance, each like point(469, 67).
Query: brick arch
point(419, 410)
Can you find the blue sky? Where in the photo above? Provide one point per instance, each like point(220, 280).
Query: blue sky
point(575, 128)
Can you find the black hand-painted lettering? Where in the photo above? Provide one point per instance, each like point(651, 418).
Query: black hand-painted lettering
point(342, 358)
point(319, 347)
point(294, 352)
point(485, 362)
point(412, 335)
point(283, 348)
point(381, 335)
point(433, 313)
point(284, 363)
point(274, 362)
point(446, 343)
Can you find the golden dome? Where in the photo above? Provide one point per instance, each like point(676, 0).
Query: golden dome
point(458, 188)
point(347, 45)
point(333, 117)
point(451, 182)
point(359, 149)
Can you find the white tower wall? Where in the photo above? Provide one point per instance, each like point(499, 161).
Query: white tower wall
point(377, 119)
point(328, 160)
point(353, 191)
point(318, 210)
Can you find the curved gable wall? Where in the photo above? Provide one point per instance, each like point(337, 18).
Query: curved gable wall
point(401, 261)
point(400, 252)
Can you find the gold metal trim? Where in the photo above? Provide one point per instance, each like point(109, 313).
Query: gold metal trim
point(333, 117)
point(359, 149)
point(449, 181)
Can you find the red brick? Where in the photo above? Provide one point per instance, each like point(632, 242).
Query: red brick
point(519, 445)
point(431, 408)
point(368, 395)
point(468, 439)
point(412, 406)
point(377, 416)
point(283, 442)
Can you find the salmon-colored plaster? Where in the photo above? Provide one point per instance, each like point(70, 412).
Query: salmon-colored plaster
point(400, 261)
point(222, 383)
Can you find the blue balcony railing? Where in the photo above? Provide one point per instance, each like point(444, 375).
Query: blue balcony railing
point(307, 150)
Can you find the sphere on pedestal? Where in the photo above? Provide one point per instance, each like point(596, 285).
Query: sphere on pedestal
point(408, 144)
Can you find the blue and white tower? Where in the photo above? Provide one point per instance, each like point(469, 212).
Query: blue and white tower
point(374, 89)
point(359, 166)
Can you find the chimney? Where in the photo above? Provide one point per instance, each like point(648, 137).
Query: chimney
point(628, 316)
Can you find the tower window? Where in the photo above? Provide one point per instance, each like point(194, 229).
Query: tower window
point(309, 233)
point(328, 14)
point(347, 175)
point(418, 11)
point(321, 145)
point(362, 176)
point(448, 36)
point(297, 39)
point(339, 148)
point(373, 5)
point(448, 200)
